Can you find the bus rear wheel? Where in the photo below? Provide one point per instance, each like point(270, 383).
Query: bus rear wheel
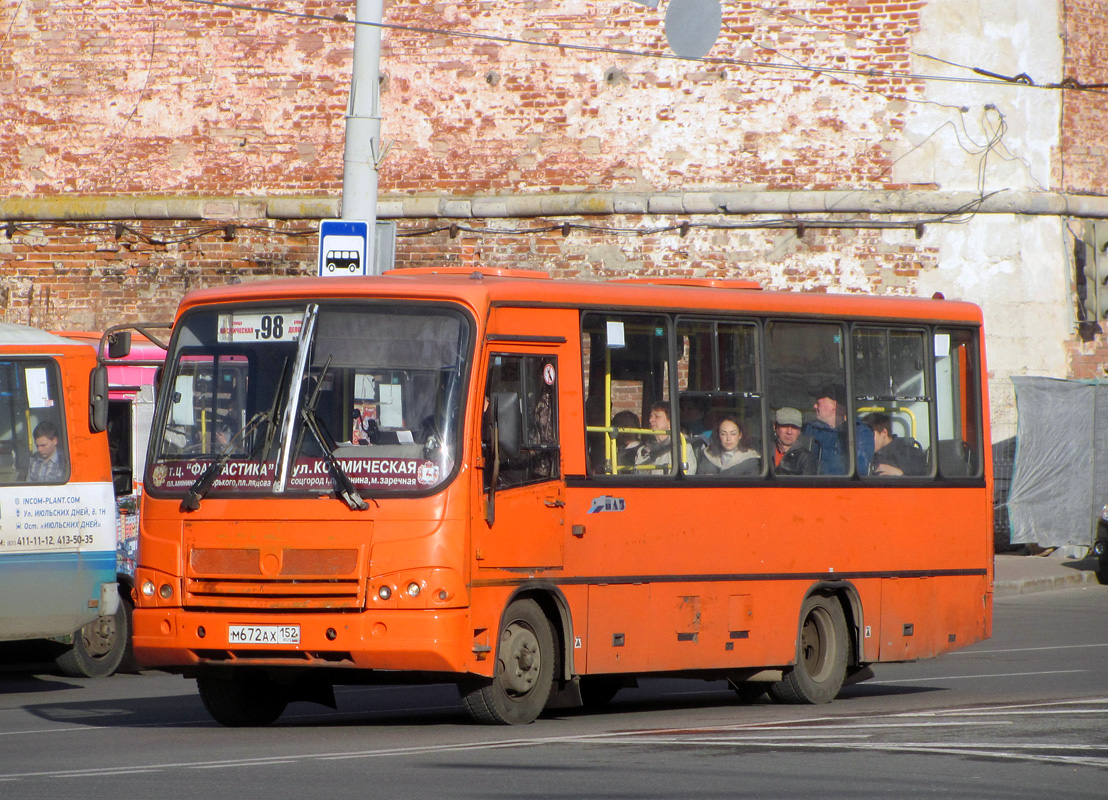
point(822, 653)
point(242, 700)
point(524, 673)
point(100, 647)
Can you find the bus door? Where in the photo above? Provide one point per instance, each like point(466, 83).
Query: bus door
point(523, 496)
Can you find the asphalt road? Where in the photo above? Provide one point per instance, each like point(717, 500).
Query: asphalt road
point(1022, 715)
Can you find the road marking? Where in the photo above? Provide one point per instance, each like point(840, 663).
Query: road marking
point(974, 677)
point(824, 733)
point(969, 652)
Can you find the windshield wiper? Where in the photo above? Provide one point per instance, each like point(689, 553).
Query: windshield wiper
point(312, 404)
point(344, 487)
point(271, 430)
point(202, 485)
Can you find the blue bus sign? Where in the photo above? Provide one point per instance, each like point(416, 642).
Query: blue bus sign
point(343, 246)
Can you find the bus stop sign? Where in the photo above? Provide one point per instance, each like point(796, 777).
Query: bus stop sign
point(343, 247)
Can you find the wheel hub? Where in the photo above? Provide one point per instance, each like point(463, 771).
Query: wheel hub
point(520, 660)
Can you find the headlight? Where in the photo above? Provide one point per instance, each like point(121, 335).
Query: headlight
point(1104, 513)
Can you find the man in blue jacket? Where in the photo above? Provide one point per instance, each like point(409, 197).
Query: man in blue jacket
point(828, 434)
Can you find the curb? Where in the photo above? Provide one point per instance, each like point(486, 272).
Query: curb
point(1010, 588)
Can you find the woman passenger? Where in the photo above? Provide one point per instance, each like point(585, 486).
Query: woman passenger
point(729, 452)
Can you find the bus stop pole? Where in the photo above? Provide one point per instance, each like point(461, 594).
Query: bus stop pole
point(363, 127)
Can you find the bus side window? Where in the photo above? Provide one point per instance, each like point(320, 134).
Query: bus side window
point(958, 403)
point(626, 369)
point(893, 398)
point(718, 377)
point(806, 371)
point(31, 407)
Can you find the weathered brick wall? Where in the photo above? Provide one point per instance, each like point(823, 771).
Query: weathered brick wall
point(1084, 154)
point(1084, 158)
point(84, 278)
point(103, 97)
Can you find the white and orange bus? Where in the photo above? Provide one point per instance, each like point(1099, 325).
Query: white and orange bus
point(57, 515)
point(528, 487)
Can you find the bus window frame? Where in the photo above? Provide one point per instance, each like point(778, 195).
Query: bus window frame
point(54, 381)
point(760, 377)
point(930, 389)
point(969, 376)
point(847, 326)
point(669, 381)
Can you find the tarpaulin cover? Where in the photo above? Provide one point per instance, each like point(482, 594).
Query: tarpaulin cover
point(1058, 484)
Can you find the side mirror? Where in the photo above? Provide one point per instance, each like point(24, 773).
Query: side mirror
point(507, 422)
point(119, 344)
point(98, 400)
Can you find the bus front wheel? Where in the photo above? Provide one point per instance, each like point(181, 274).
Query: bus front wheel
point(822, 654)
point(242, 700)
point(524, 673)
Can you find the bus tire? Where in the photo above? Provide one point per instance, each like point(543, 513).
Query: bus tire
point(822, 653)
point(524, 673)
point(100, 647)
point(242, 700)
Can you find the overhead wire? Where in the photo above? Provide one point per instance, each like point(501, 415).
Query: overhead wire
point(1022, 78)
point(508, 40)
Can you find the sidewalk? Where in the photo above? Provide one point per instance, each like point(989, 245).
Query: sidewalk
point(1013, 574)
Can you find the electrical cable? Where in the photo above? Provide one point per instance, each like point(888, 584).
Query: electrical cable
point(507, 40)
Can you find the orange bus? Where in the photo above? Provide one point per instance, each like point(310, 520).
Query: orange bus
point(541, 489)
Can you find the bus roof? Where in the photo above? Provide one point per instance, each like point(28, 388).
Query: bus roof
point(14, 334)
point(481, 288)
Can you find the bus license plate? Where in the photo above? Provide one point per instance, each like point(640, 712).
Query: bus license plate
point(263, 634)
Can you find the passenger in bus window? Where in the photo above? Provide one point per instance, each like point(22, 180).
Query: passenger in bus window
point(790, 455)
point(47, 463)
point(827, 433)
point(728, 451)
point(658, 452)
point(627, 444)
point(224, 433)
point(894, 455)
point(694, 419)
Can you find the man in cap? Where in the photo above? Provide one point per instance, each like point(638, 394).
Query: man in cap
point(828, 434)
point(790, 456)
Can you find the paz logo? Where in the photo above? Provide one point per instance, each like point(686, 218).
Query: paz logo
point(607, 503)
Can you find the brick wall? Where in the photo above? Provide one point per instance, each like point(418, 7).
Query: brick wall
point(1084, 158)
point(84, 278)
point(105, 96)
point(1084, 149)
point(108, 97)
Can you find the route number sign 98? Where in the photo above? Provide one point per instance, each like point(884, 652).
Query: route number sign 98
point(265, 326)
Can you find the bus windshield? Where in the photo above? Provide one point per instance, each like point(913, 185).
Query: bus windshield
point(356, 399)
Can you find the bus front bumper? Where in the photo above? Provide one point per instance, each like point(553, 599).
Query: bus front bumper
point(438, 640)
